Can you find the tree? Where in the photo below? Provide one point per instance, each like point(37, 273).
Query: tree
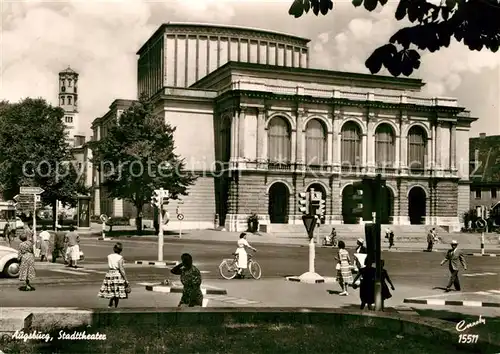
point(475, 23)
point(35, 153)
point(137, 157)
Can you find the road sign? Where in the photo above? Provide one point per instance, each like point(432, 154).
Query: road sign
point(31, 190)
point(180, 216)
point(481, 223)
point(309, 223)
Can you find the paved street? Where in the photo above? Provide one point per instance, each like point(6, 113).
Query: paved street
point(415, 275)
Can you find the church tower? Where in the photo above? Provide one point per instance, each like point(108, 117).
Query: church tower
point(68, 101)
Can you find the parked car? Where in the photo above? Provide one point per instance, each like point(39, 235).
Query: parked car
point(9, 264)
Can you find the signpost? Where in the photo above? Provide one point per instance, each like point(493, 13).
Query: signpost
point(310, 224)
point(31, 192)
point(481, 223)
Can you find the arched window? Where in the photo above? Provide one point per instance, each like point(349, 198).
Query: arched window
point(69, 99)
point(316, 143)
point(62, 100)
point(279, 142)
point(351, 144)
point(385, 146)
point(417, 148)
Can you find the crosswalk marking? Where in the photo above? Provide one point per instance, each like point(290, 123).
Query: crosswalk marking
point(477, 274)
point(488, 292)
point(495, 291)
point(68, 271)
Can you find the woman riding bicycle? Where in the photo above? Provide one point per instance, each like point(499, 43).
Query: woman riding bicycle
point(241, 253)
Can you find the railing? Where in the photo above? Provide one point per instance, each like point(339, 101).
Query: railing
point(357, 96)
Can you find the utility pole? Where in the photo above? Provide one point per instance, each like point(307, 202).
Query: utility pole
point(378, 187)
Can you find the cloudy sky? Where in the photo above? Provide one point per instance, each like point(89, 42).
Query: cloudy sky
point(99, 39)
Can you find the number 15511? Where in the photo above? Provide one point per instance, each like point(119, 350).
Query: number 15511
point(468, 338)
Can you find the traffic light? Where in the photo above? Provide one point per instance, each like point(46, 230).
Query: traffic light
point(362, 199)
point(304, 203)
point(156, 199)
point(371, 235)
point(321, 208)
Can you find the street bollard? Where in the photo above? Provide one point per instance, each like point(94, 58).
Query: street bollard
point(482, 243)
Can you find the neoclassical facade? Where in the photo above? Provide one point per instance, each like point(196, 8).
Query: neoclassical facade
point(258, 126)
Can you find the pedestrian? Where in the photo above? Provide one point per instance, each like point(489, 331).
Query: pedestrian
point(344, 271)
point(58, 245)
point(44, 244)
point(191, 281)
point(9, 233)
point(386, 294)
point(391, 239)
point(453, 256)
point(242, 254)
point(430, 240)
point(367, 284)
point(27, 260)
point(115, 285)
point(72, 241)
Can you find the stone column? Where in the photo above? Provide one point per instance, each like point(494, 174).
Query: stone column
point(186, 61)
point(267, 53)
point(432, 149)
point(197, 56)
point(397, 149)
point(176, 61)
point(239, 49)
point(208, 55)
point(234, 137)
point(293, 153)
point(370, 142)
point(261, 132)
point(364, 151)
point(403, 141)
point(300, 146)
point(218, 52)
point(241, 133)
point(329, 148)
point(258, 52)
point(438, 150)
point(453, 146)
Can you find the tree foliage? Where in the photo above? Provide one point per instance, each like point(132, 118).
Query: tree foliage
point(137, 157)
point(34, 152)
point(475, 23)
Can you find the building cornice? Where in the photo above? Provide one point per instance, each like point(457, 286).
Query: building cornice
point(337, 101)
point(205, 29)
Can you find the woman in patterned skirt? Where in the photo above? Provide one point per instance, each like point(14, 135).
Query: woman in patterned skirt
point(344, 272)
point(27, 260)
point(115, 281)
point(191, 280)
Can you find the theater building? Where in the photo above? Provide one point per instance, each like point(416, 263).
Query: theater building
point(258, 126)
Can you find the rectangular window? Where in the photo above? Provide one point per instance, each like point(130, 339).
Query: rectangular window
point(478, 193)
point(493, 193)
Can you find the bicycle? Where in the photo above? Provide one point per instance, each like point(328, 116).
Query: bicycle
point(228, 268)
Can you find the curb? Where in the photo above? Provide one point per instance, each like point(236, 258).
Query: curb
point(157, 263)
point(439, 302)
point(179, 289)
point(325, 280)
point(482, 255)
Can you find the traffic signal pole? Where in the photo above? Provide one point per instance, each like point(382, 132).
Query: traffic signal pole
point(160, 223)
point(379, 301)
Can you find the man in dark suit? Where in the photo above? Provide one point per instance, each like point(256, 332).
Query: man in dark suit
point(453, 256)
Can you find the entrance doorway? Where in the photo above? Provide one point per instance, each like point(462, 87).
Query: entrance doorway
point(347, 215)
point(417, 205)
point(278, 203)
point(319, 188)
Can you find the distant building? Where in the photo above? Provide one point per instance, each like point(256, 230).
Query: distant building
point(484, 154)
point(102, 203)
point(68, 101)
point(258, 126)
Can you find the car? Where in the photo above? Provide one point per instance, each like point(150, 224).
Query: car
point(9, 264)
